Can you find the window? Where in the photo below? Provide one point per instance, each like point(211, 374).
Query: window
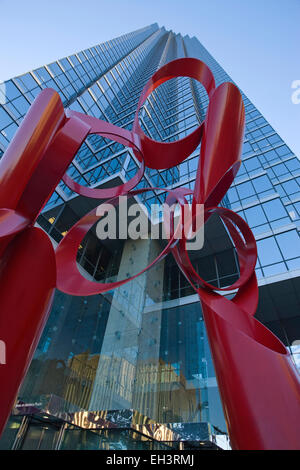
point(283, 150)
point(21, 104)
point(9, 131)
point(262, 184)
point(247, 148)
point(267, 129)
point(232, 195)
point(9, 90)
point(272, 155)
point(291, 187)
point(268, 251)
point(27, 81)
point(274, 139)
point(274, 209)
point(245, 190)
point(226, 263)
point(242, 170)
point(262, 143)
point(183, 168)
point(289, 244)
point(5, 119)
point(293, 164)
point(280, 170)
point(277, 268)
point(252, 164)
point(255, 216)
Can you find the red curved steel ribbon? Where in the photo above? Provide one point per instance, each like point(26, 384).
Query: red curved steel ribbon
point(27, 283)
point(11, 222)
point(123, 136)
point(161, 155)
point(69, 278)
point(259, 385)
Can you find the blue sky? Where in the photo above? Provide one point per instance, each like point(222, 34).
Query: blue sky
point(256, 41)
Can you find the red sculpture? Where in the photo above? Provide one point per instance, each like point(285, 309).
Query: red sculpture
point(259, 385)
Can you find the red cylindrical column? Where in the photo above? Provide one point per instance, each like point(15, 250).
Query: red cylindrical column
point(259, 385)
point(27, 281)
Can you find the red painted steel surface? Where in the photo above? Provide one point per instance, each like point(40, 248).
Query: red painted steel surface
point(259, 385)
point(27, 282)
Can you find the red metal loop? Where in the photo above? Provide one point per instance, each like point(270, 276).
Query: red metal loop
point(246, 250)
point(161, 155)
point(123, 136)
point(69, 279)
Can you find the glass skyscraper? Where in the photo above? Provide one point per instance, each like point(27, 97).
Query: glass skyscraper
point(132, 368)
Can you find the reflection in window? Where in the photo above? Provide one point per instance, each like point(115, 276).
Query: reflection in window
point(277, 268)
point(289, 244)
point(274, 209)
point(255, 216)
point(295, 349)
point(262, 184)
point(245, 190)
point(252, 164)
point(268, 251)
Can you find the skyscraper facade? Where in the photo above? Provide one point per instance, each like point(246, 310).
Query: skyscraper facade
point(108, 367)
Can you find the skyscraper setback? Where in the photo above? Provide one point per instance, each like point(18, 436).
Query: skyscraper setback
point(143, 347)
